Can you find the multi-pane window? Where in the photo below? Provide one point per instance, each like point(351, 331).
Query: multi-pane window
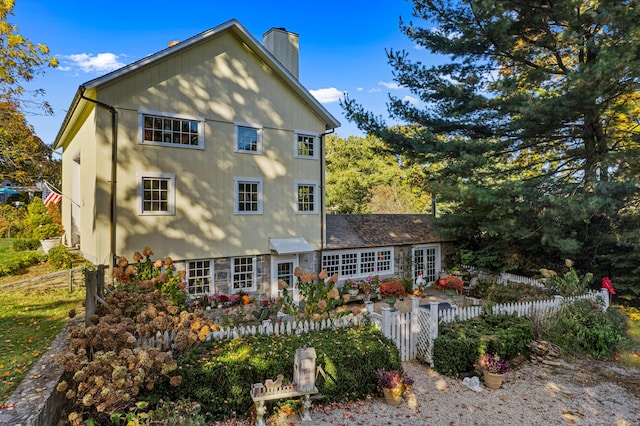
point(248, 139)
point(306, 146)
point(166, 129)
point(358, 263)
point(331, 263)
point(244, 273)
point(156, 193)
point(248, 195)
point(306, 197)
point(285, 272)
point(199, 273)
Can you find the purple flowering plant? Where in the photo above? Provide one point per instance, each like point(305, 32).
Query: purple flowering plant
point(493, 364)
point(397, 381)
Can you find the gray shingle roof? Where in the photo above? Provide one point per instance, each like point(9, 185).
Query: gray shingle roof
point(378, 230)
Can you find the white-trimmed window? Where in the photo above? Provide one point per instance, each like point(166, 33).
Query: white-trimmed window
point(306, 197)
point(306, 145)
point(359, 263)
point(248, 138)
point(161, 128)
point(248, 195)
point(243, 274)
point(426, 258)
point(156, 194)
point(199, 276)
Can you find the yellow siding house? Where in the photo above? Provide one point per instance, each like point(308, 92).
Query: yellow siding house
point(208, 151)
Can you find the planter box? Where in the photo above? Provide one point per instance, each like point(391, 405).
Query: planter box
point(50, 243)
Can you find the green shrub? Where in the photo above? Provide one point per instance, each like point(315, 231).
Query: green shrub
point(24, 244)
point(219, 374)
point(59, 257)
point(11, 264)
point(459, 344)
point(583, 327)
point(511, 292)
point(44, 232)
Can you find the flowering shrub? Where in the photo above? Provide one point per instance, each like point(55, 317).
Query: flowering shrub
point(146, 275)
point(451, 282)
point(493, 364)
point(350, 285)
point(317, 291)
point(396, 381)
point(392, 289)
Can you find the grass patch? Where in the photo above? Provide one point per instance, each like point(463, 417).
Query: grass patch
point(12, 262)
point(630, 355)
point(29, 321)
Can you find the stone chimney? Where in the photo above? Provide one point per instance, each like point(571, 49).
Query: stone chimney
point(284, 46)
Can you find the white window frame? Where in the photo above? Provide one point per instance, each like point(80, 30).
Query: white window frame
point(209, 278)
point(236, 199)
point(339, 261)
point(429, 276)
point(257, 128)
point(315, 186)
point(171, 193)
point(161, 114)
point(254, 264)
point(315, 137)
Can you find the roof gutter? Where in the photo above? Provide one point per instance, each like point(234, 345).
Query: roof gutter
point(323, 232)
point(114, 158)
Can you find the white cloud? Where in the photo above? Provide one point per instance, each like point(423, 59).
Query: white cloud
point(360, 89)
point(327, 96)
point(390, 85)
point(411, 100)
point(87, 62)
point(375, 90)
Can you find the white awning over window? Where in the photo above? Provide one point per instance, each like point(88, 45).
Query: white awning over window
point(290, 245)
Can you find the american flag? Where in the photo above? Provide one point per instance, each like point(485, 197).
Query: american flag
point(49, 195)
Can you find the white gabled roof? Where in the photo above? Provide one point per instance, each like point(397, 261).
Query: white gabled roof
point(233, 26)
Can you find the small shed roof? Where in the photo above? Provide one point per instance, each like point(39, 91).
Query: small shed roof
point(379, 230)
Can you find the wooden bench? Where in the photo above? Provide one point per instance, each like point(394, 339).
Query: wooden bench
point(261, 393)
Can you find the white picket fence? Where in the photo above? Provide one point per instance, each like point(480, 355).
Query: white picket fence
point(414, 332)
point(165, 341)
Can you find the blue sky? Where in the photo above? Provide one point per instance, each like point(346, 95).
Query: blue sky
point(342, 43)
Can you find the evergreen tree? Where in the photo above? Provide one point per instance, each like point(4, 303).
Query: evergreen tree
point(531, 126)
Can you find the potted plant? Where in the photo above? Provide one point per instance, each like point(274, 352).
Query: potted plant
point(350, 287)
point(45, 223)
point(395, 385)
point(493, 369)
point(391, 290)
point(366, 289)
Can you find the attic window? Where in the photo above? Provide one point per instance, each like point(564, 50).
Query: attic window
point(157, 128)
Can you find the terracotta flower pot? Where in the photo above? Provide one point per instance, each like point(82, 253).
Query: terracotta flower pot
point(391, 398)
point(492, 380)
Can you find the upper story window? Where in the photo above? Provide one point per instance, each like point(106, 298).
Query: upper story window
point(306, 145)
point(156, 194)
point(158, 128)
point(248, 138)
point(248, 195)
point(306, 197)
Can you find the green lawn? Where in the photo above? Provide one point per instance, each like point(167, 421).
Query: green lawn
point(29, 321)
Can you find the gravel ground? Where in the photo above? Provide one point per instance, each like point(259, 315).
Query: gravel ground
point(585, 393)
